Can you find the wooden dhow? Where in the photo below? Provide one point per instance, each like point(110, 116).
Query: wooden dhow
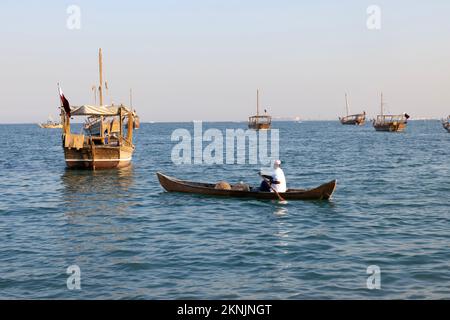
point(390, 123)
point(259, 122)
point(108, 143)
point(352, 119)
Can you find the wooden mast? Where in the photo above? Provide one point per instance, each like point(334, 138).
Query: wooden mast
point(100, 69)
point(100, 88)
point(131, 98)
point(346, 104)
point(257, 102)
point(382, 103)
point(121, 126)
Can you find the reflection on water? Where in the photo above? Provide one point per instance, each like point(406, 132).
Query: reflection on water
point(96, 204)
point(99, 180)
point(280, 211)
point(86, 191)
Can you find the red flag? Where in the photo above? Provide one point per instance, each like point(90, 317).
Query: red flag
point(64, 101)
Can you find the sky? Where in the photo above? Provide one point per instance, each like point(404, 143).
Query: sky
point(204, 59)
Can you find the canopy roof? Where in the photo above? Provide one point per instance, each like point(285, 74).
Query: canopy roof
point(88, 110)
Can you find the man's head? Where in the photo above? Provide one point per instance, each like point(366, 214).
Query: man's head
point(276, 164)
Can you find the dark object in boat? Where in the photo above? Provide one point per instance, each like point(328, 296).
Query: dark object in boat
point(170, 184)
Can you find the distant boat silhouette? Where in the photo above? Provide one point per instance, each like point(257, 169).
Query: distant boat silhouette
point(50, 124)
point(354, 119)
point(259, 122)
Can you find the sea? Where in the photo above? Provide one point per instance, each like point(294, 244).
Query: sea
point(116, 234)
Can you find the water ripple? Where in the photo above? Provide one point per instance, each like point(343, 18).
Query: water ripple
point(134, 241)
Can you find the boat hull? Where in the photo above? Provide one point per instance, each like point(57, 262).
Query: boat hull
point(355, 120)
point(99, 157)
point(446, 126)
point(323, 192)
point(390, 127)
point(259, 126)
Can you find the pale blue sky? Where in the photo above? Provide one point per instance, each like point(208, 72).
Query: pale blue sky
point(202, 59)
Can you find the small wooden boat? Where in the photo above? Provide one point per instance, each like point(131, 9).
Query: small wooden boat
point(259, 122)
point(353, 119)
point(446, 124)
point(390, 123)
point(170, 184)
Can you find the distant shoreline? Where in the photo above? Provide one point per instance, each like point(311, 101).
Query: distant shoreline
point(220, 121)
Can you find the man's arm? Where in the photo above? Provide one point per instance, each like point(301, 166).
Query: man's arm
point(270, 178)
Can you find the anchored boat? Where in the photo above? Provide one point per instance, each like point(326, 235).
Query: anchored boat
point(390, 123)
point(353, 119)
point(107, 141)
point(50, 124)
point(170, 184)
point(446, 124)
point(259, 122)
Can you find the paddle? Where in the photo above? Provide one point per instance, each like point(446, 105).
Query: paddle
point(273, 189)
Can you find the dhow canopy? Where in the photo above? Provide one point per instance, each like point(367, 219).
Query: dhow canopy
point(88, 110)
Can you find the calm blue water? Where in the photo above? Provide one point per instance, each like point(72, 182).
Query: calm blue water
point(133, 241)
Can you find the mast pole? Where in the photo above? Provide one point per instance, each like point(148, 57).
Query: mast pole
point(346, 103)
point(100, 69)
point(131, 98)
point(100, 88)
point(382, 103)
point(257, 102)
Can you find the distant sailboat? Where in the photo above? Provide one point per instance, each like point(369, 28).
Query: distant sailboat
point(354, 119)
point(259, 122)
point(50, 124)
point(390, 123)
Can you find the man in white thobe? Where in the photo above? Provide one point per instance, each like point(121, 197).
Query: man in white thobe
point(277, 181)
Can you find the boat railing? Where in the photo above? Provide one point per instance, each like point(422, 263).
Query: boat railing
point(353, 117)
point(390, 119)
point(260, 119)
